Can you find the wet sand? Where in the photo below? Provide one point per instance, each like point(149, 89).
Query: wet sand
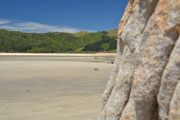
point(52, 87)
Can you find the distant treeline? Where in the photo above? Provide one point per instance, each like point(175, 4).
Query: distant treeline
point(11, 41)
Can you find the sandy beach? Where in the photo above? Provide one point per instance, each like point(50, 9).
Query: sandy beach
point(51, 87)
point(60, 54)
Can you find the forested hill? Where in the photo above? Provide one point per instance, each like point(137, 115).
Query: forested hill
point(11, 41)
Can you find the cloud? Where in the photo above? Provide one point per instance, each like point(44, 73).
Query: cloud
point(2, 21)
point(36, 27)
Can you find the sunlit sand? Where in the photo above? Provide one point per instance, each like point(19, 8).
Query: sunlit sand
point(52, 87)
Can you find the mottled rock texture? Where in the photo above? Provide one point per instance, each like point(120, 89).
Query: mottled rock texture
point(145, 80)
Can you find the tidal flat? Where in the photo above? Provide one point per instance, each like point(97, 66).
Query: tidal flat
point(52, 87)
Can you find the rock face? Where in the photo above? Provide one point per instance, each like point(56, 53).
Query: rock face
point(145, 80)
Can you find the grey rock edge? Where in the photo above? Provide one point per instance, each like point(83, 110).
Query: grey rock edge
point(145, 80)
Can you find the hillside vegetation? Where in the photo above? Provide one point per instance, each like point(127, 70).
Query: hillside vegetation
point(11, 41)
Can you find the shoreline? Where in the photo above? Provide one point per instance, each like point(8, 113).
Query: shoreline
point(60, 54)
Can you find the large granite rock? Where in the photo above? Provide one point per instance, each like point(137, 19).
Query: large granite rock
point(146, 74)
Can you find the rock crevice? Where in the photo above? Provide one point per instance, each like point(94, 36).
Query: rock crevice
point(147, 67)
